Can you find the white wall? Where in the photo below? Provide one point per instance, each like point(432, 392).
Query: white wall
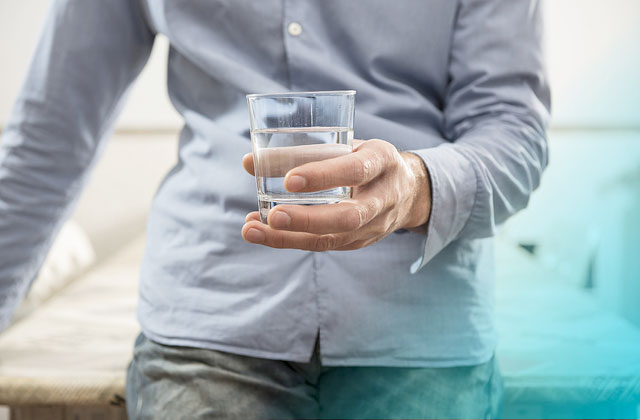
point(148, 106)
point(593, 57)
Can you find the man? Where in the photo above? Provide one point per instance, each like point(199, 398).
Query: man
point(399, 325)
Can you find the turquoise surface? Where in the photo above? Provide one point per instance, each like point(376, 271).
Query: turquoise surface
point(568, 306)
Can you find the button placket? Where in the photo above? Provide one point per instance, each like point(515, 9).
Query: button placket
point(294, 14)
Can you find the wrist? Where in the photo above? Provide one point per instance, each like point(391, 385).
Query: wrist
point(419, 207)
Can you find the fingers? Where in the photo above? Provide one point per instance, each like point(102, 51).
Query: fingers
point(259, 233)
point(247, 163)
point(254, 215)
point(277, 161)
point(346, 216)
point(368, 161)
point(280, 160)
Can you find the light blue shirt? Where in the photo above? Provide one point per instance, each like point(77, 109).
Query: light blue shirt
point(460, 83)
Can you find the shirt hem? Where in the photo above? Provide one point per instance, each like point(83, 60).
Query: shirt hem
point(326, 361)
point(402, 363)
point(241, 351)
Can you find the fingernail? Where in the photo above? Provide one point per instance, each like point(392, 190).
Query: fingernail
point(296, 183)
point(280, 220)
point(255, 236)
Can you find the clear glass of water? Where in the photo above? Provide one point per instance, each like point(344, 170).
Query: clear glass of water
point(291, 129)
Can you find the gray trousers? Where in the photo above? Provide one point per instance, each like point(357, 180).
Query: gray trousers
point(166, 382)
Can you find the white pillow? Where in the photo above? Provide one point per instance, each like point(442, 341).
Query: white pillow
point(70, 256)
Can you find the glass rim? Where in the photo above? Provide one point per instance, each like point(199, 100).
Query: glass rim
point(302, 94)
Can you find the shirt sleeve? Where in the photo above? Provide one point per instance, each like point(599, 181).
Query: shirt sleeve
point(89, 53)
point(495, 117)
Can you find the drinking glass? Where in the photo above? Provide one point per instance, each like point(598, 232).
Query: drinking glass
point(291, 129)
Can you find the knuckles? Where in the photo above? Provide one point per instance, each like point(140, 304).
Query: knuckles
point(360, 169)
point(383, 154)
point(384, 148)
point(324, 243)
point(352, 219)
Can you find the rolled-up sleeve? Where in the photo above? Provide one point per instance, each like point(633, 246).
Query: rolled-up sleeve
point(89, 53)
point(495, 118)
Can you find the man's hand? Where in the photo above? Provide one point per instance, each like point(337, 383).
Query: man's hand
point(391, 190)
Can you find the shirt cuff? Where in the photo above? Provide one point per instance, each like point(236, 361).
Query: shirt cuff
point(454, 186)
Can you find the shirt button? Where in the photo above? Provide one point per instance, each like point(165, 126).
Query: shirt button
point(294, 29)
